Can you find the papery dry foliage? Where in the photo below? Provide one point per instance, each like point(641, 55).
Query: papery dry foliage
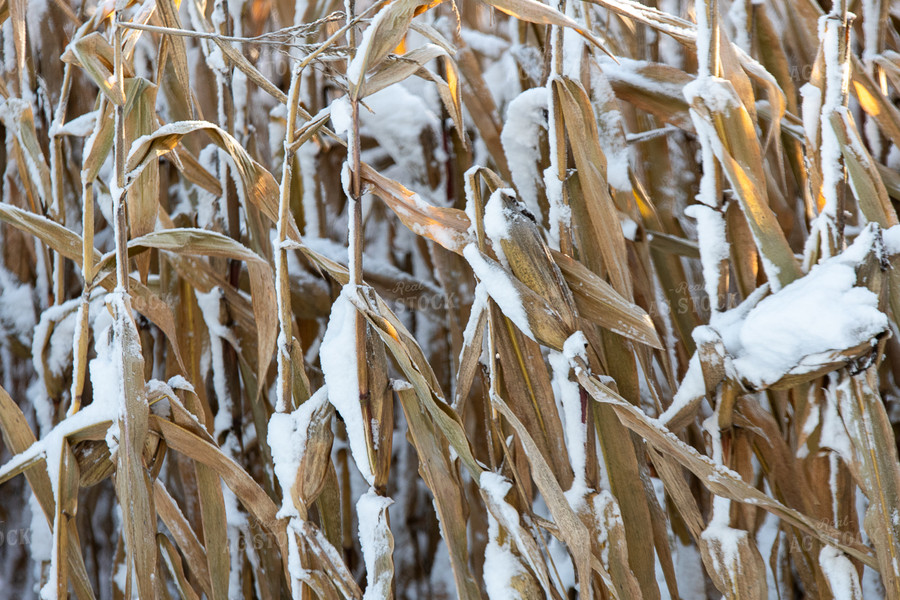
point(422, 300)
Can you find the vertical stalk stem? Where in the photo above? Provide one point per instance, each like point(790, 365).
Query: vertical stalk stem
point(120, 225)
point(283, 287)
point(58, 210)
point(355, 248)
point(557, 136)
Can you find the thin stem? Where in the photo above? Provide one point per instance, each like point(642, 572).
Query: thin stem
point(80, 345)
point(355, 246)
point(57, 209)
point(283, 290)
point(121, 231)
point(557, 136)
point(715, 59)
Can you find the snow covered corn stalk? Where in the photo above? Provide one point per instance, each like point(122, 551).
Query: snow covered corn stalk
point(408, 299)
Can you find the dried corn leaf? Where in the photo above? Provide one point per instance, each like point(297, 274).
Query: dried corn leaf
point(94, 54)
point(865, 178)
point(173, 561)
point(183, 534)
point(258, 185)
point(445, 226)
point(142, 198)
point(600, 303)
point(876, 468)
point(251, 495)
point(383, 35)
point(542, 14)
point(18, 117)
point(581, 126)
point(727, 126)
point(532, 314)
point(209, 243)
point(18, 437)
point(132, 482)
point(720, 480)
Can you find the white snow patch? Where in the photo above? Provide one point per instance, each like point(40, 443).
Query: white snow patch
point(499, 287)
point(525, 117)
point(821, 312)
point(338, 357)
point(714, 247)
point(840, 573)
point(500, 564)
point(341, 115)
point(376, 541)
point(287, 437)
point(573, 418)
point(797, 328)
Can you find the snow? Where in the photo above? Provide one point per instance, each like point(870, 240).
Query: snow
point(17, 317)
point(726, 539)
point(692, 387)
point(287, 439)
point(499, 287)
point(834, 433)
point(471, 209)
point(568, 395)
point(500, 564)
point(704, 38)
point(575, 346)
point(491, 46)
point(560, 214)
point(837, 78)
point(526, 115)
point(178, 382)
point(714, 247)
point(210, 305)
point(608, 514)
point(496, 221)
point(355, 71)
point(106, 379)
point(810, 424)
point(891, 239)
point(341, 115)
point(339, 366)
point(821, 312)
point(716, 93)
point(479, 303)
point(307, 156)
point(295, 565)
point(739, 20)
point(840, 573)
point(719, 97)
point(794, 330)
point(529, 59)
point(12, 113)
point(376, 541)
point(629, 228)
point(81, 126)
point(811, 108)
point(718, 533)
point(628, 70)
point(399, 120)
point(611, 130)
point(41, 537)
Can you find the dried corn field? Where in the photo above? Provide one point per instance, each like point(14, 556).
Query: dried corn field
point(409, 299)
